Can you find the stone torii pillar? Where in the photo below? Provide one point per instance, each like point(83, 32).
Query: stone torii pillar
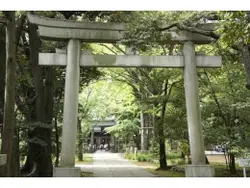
point(196, 141)
point(110, 33)
point(70, 107)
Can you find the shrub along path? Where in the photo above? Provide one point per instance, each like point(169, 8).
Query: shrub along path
point(106, 164)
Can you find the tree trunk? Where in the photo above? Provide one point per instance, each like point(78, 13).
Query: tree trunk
point(144, 136)
point(57, 143)
point(161, 141)
point(207, 161)
point(15, 158)
point(9, 105)
point(2, 73)
point(245, 58)
point(160, 126)
point(80, 144)
point(57, 133)
point(49, 98)
point(39, 161)
point(163, 159)
point(232, 167)
point(225, 156)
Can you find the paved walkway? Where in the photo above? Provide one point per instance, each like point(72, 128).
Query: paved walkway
point(113, 165)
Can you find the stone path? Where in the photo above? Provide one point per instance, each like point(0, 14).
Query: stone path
point(113, 165)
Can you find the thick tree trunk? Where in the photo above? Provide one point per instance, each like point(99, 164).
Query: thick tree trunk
point(80, 143)
point(39, 161)
point(15, 158)
point(2, 73)
point(49, 99)
point(9, 105)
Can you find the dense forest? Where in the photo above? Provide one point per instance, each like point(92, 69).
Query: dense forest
point(31, 96)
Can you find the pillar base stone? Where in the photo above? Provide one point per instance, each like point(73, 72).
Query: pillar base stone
point(199, 171)
point(67, 172)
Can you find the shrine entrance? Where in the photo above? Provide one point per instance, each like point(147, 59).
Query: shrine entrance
point(73, 58)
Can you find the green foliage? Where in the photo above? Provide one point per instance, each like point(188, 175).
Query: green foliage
point(140, 157)
point(224, 108)
point(105, 99)
point(184, 147)
point(173, 158)
point(154, 148)
point(129, 156)
point(124, 129)
point(180, 161)
point(173, 155)
point(143, 30)
point(234, 27)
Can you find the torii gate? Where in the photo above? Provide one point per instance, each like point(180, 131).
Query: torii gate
point(74, 31)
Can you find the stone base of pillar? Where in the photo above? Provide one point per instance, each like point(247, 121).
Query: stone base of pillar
point(3, 159)
point(199, 171)
point(67, 172)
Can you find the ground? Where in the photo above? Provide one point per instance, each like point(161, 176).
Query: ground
point(106, 164)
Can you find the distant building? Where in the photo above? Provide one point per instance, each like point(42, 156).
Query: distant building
point(100, 135)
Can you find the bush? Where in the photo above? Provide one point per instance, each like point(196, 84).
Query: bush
point(173, 162)
point(176, 161)
point(185, 149)
point(180, 161)
point(154, 148)
point(144, 157)
point(173, 155)
point(129, 156)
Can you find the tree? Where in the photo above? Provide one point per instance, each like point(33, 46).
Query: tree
point(2, 73)
point(224, 104)
point(9, 105)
